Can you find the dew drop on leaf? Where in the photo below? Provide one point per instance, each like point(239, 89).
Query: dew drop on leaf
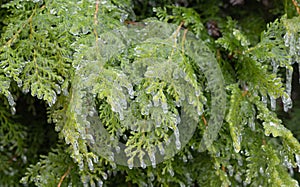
point(273, 103)
point(13, 110)
point(237, 143)
point(238, 177)
point(143, 165)
point(264, 99)
point(261, 170)
point(19, 83)
point(171, 171)
point(164, 106)
point(298, 161)
point(153, 159)
point(10, 99)
point(161, 149)
point(156, 100)
point(130, 163)
point(151, 176)
point(104, 175)
point(286, 40)
point(275, 66)
point(118, 149)
point(92, 183)
point(230, 170)
point(287, 103)
point(100, 183)
point(177, 140)
point(289, 76)
point(251, 123)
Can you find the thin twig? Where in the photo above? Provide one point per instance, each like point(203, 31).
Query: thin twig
point(183, 39)
point(176, 32)
point(296, 5)
point(64, 176)
point(96, 20)
point(175, 37)
point(204, 120)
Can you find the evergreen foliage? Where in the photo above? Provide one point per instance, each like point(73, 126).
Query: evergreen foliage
point(190, 88)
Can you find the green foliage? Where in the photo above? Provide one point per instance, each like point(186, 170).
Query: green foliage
point(90, 70)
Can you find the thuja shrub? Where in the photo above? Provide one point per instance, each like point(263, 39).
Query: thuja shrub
point(148, 93)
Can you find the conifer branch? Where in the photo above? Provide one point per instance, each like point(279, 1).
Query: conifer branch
point(15, 36)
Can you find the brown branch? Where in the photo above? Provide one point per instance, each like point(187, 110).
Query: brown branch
point(296, 5)
point(64, 176)
point(204, 120)
point(183, 39)
point(223, 168)
point(96, 20)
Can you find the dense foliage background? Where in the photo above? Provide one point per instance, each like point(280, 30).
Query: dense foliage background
point(128, 62)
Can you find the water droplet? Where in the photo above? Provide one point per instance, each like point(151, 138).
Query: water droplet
point(118, 149)
point(53, 11)
point(298, 161)
point(240, 162)
point(264, 99)
point(237, 143)
point(81, 165)
point(289, 76)
point(37, 1)
point(90, 164)
point(238, 177)
point(251, 123)
point(273, 103)
point(19, 83)
point(178, 119)
point(151, 176)
point(287, 102)
point(171, 171)
point(197, 93)
point(25, 90)
point(13, 110)
point(156, 100)
point(161, 149)
point(275, 66)
point(261, 170)
point(104, 175)
point(164, 106)
point(123, 17)
point(111, 157)
point(124, 137)
point(92, 183)
point(177, 140)
point(95, 159)
point(10, 99)
point(175, 75)
point(130, 163)
point(230, 170)
point(100, 183)
point(143, 165)
point(153, 159)
point(85, 30)
point(286, 40)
